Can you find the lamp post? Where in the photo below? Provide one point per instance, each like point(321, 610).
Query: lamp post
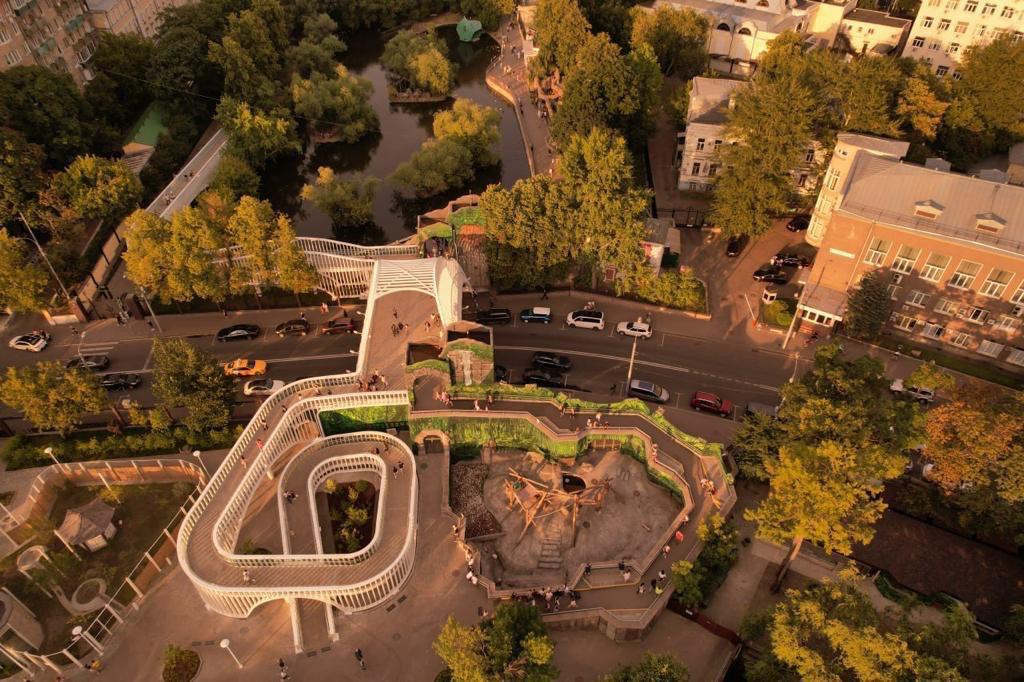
point(632, 357)
point(199, 455)
point(56, 461)
point(42, 253)
point(149, 307)
point(78, 350)
point(226, 645)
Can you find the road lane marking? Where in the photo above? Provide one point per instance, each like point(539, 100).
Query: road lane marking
point(269, 361)
point(645, 363)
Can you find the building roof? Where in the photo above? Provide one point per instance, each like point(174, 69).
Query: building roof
point(760, 19)
point(147, 129)
point(709, 100)
point(656, 230)
point(86, 522)
point(823, 299)
point(100, 5)
point(887, 191)
point(878, 145)
point(870, 16)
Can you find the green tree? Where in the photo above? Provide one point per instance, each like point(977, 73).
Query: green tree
point(98, 188)
point(318, 49)
point(294, 273)
point(252, 227)
point(1013, 627)
point(992, 77)
point(438, 166)
point(147, 261)
point(867, 307)
point(348, 203)
point(185, 376)
point(250, 52)
point(52, 397)
point(472, 125)
point(419, 61)
point(928, 375)
point(613, 17)
point(653, 667)
point(686, 581)
point(23, 282)
point(678, 37)
point(920, 109)
point(487, 12)
point(338, 105)
point(756, 441)
point(462, 647)
point(46, 108)
point(114, 94)
point(21, 173)
point(235, 176)
point(256, 136)
point(560, 30)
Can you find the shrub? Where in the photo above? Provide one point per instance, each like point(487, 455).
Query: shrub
point(675, 289)
point(180, 665)
point(360, 418)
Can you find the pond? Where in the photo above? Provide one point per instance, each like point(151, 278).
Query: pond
point(403, 128)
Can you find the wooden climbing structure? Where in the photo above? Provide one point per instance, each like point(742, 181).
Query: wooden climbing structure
point(537, 500)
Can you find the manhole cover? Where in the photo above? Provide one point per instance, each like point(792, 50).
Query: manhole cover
point(397, 636)
point(636, 493)
point(243, 631)
point(586, 524)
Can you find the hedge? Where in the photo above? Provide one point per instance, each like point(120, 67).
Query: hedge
point(437, 365)
point(481, 350)
point(335, 422)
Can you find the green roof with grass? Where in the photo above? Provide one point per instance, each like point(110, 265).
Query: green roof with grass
point(147, 129)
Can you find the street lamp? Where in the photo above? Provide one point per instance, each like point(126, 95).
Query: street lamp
point(81, 338)
point(43, 254)
point(198, 455)
point(632, 357)
point(56, 461)
point(226, 645)
point(145, 299)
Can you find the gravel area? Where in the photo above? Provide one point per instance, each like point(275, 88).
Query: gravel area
point(467, 486)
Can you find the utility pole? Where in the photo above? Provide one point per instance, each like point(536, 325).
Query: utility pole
point(632, 357)
point(43, 254)
point(149, 307)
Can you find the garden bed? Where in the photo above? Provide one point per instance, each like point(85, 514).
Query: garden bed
point(335, 422)
point(353, 510)
point(180, 665)
point(467, 487)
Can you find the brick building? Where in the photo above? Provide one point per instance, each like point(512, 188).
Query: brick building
point(951, 247)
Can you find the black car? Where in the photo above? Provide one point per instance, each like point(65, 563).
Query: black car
point(342, 325)
point(93, 362)
point(120, 382)
point(790, 260)
point(238, 332)
point(736, 245)
point(543, 377)
point(559, 363)
point(297, 327)
point(772, 275)
point(494, 316)
point(500, 374)
point(536, 315)
point(799, 223)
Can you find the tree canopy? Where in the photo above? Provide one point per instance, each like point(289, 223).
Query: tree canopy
point(419, 61)
point(46, 108)
point(487, 12)
point(21, 173)
point(256, 136)
point(185, 376)
point(348, 203)
point(472, 125)
point(678, 37)
point(98, 188)
point(867, 307)
point(23, 281)
point(653, 667)
point(560, 31)
point(52, 397)
point(337, 104)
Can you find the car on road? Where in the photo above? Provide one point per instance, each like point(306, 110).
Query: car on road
point(553, 361)
point(93, 362)
point(772, 275)
point(735, 245)
point(786, 259)
point(262, 386)
point(641, 329)
point(799, 223)
point(765, 409)
point(238, 332)
point(646, 390)
point(296, 327)
point(492, 316)
point(921, 395)
point(585, 319)
point(243, 367)
point(543, 377)
point(500, 374)
point(120, 382)
point(535, 316)
point(342, 325)
point(703, 400)
point(33, 343)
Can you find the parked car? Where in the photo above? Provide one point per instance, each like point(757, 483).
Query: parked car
point(543, 377)
point(735, 245)
point(262, 386)
point(342, 325)
point(553, 361)
point(500, 374)
point(921, 395)
point(536, 315)
point(493, 316)
point(703, 400)
point(645, 390)
point(790, 260)
point(641, 329)
point(238, 332)
point(296, 327)
point(93, 362)
point(33, 343)
point(799, 223)
point(243, 367)
point(772, 275)
point(120, 382)
point(585, 319)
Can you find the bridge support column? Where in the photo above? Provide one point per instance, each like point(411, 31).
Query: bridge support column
point(293, 609)
point(332, 629)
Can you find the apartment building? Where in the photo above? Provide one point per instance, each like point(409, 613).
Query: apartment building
point(944, 29)
point(698, 146)
point(950, 246)
point(873, 33)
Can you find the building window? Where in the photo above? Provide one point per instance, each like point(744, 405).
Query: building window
point(877, 251)
point(943, 24)
point(933, 331)
point(696, 168)
point(894, 292)
point(977, 315)
point(990, 348)
point(4, 36)
point(942, 71)
point(933, 3)
point(801, 180)
point(725, 27)
point(1015, 356)
point(833, 178)
point(934, 47)
point(996, 283)
point(954, 48)
point(927, 22)
point(946, 307)
point(988, 9)
point(743, 32)
point(809, 156)
point(1018, 296)
point(1006, 323)
point(905, 259)
point(961, 27)
point(700, 144)
point(818, 318)
point(971, 6)
point(718, 143)
point(712, 170)
point(936, 265)
point(951, 4)
point(960, 339)
point(903, 322)
point(13, 57)
point(964, 276)
point(918, 299)
point(918, 42)
point(1007, 12)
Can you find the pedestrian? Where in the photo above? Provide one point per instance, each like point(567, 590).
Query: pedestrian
point(259, 443)
point(626, 575)
point(572, 602)
point(95, 666)
point(662, 575)
point(658, 589)
point(241, 460)
point(246, 577)
point(679, 537)
point(561, 409)
point(544, 293)
point(665, 550)
point(490, 399)
point(641, 588)
point(394, 313)
point(476, 405)
point(359, 657)
point(281, 664)
point(394, 471)
point(622, 566)
point(263, 422)
point(302, 315)
point(323, 308)
point(284, 675)
point(401, 466)
point(613, 388)
point(654, 584)
point(587, 568)
point(469, 573)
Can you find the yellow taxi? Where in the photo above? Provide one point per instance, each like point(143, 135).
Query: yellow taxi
point(245, 368)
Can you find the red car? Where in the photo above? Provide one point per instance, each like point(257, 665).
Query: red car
point(702, 400)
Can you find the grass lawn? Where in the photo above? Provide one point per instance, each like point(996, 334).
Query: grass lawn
point(956, 363)
point(779, 313)
point(144, 510)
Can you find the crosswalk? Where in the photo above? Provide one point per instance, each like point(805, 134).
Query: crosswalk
point(97, 348)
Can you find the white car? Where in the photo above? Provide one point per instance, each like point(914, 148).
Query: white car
point(921, 395)
point(33, 343)
point(641, 329)
point(262, 386)
point(585, 319)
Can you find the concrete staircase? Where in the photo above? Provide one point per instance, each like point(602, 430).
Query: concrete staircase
point(550, 552)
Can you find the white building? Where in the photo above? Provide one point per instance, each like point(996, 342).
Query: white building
point(874, 33)
point(698, 146)
point(944, 29)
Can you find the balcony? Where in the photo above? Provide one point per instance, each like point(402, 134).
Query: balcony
point(22, 7)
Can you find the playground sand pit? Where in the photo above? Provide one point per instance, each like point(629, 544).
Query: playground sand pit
point(620, 515)
point(467, 479)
